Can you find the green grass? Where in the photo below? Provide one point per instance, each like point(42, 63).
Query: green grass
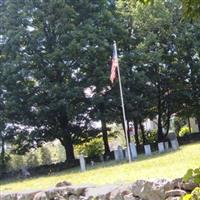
point(168, 165)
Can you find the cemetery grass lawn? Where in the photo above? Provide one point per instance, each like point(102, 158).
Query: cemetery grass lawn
point(168, 165)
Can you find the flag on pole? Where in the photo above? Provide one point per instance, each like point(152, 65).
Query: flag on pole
point(115, 71)
point(114, 64)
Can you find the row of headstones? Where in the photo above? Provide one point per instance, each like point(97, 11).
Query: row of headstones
point(121, 154)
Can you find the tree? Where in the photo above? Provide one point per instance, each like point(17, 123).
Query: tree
point(190, 9)
point(155, 28)
point(159, 59)
point(188, 51)
point(137, 92)
point(46, 49)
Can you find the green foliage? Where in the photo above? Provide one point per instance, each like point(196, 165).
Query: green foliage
point(183, 131)
point(32, 160)
point(61, 153)
point(51, 51)
point(151, 136)
point(54, 50)
point(186, 197)
point(190, 9)
point(4, 165)
point(178, 123)
point(92, 149)
point(196, 194)
point(194, 176)
point(45, 156)
point(16, 162)
point(48, 154)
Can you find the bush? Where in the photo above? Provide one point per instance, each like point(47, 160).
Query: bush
point(184, 130)
point(16, 162)
point(194, 176)
point(151, 136)
point(32, 160)
point(4, 165)
point(179, 122)
point(93, 148)
point(45, 156)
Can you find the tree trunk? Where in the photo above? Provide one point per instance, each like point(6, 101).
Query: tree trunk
point(143, 133)
point(2, 156)
point(189, 125)
point(66, 141)
point(105, 136)
point(198, 123)
point(136, 132)
point(160, 136)
point(66, 138)
point(167, 125)
point(159, 131)
point(128, 132)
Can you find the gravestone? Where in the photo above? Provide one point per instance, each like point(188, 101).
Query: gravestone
point(161, 147)
point(147, 150)
point(82, 163)
point(121, 153)
point(166, 146)
point(101, 158)
point(92, 163)
point(133, 150)
point(24, 173)
point(177, 143)
point(116, 155)
point(174, 144)
point(126, 153)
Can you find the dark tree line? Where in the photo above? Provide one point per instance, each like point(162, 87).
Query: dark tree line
point(54, 69)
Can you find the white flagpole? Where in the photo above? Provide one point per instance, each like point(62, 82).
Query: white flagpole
point(122, 103)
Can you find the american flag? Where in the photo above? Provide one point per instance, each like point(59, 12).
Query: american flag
point(115, 64)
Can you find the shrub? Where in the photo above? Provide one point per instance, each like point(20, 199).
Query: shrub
point(16, 162)
point(151, 136)
point(32, 160)
point(92, 149)
point(179, 122)
point(45, 156)
point(194, 176)
point(184, 130)
point(196, 194)
point(4, 165)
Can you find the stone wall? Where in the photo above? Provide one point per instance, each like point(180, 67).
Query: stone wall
point(140, 190)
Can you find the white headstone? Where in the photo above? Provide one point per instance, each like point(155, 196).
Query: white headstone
point(92, 163)
point(126, 153)
point(161, 147)
point(133, 151)
point(101, 158)
point(82, 163)
point(116, 155)
point(177, 143)
point(174, 144)
point(25, 173)
point(147, 150)
point(121, 153)
point(166, 146)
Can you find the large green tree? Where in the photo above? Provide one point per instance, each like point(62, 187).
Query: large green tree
point(49, 46)
point(156, 29)
point(190, 8)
